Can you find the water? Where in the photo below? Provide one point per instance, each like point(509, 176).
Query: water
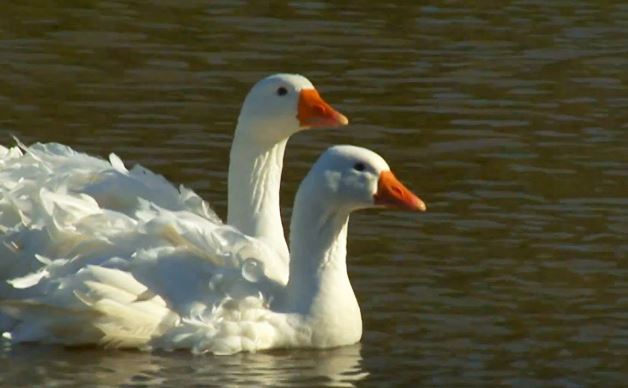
point(508, 119)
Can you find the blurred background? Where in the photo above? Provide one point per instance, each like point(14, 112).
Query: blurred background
point(509, 118)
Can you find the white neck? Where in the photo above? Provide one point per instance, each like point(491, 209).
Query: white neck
point(319, 286)
point(254, 180)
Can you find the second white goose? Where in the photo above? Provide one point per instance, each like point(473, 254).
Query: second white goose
point(172, 282)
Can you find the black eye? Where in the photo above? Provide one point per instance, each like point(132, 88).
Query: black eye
point(281, 91)
point(359, 166)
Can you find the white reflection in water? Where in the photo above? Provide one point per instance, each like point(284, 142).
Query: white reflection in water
point(56, 366)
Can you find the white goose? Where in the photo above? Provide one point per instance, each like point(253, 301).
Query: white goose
point(187, 290)
point(274, 109)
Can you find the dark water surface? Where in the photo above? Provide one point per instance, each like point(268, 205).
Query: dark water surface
point(509, 119)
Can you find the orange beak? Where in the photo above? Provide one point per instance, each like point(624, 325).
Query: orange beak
point(392, 193)
point(314, 112)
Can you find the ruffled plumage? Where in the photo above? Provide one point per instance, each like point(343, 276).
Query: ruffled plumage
point(67, 245)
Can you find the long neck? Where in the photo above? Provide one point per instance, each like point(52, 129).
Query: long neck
point(318, 287)
point(254, 180)
point(318, 267)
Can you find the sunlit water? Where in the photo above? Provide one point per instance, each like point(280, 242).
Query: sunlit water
point(508, 119)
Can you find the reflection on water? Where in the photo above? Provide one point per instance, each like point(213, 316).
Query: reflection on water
point(57, 366)
point(508, 119)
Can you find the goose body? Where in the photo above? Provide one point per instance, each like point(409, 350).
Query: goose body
point(178, 280)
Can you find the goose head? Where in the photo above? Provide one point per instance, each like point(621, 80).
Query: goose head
point(283, 104)
point(351, 178)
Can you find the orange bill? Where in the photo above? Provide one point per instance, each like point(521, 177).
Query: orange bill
point(314, 112)
point(392, 193)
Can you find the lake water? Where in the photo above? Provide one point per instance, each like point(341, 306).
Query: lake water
point(507, 118)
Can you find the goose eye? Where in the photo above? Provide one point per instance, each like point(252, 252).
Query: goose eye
point(359, 166)
point(281, 91)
